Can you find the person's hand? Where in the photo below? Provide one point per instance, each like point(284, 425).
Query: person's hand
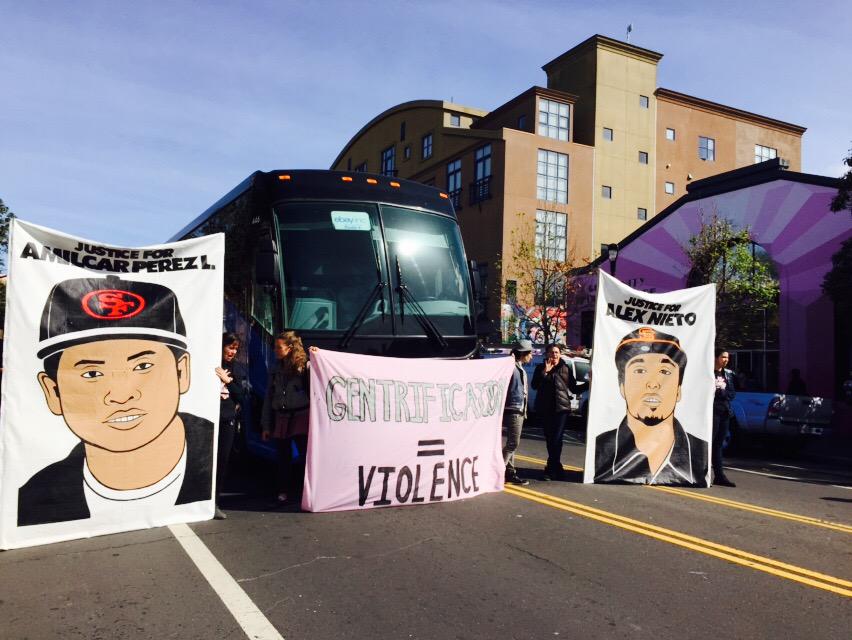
point(265, 436)
point(224, 376)
point(313, 349)
point(548, 366)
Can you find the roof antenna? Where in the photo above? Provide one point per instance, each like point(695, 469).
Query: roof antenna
point(629, 29)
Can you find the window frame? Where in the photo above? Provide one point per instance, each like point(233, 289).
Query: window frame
point(426, 146)
point(706, 149)
point(387, 163)
point(610, 132)
point(548, 184)
point(666, 188)
point(606, 192)
point(546, 116)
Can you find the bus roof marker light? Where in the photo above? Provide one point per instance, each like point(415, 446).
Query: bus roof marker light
point(346, 178)
point(284, 177)
point(395, 185)
point(372, 181)
point(444, 196)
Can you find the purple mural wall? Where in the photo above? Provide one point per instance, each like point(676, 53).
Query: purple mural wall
point(791, 220)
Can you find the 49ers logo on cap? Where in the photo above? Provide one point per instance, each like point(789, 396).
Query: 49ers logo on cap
point(112, 304)
point(647, 333)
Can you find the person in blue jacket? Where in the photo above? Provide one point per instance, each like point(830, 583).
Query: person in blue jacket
point(515, 410)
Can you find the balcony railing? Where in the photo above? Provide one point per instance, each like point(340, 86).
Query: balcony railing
point(480, 190)
point(455, 198)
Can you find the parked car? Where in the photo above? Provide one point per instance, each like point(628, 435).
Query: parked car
point(776, 415)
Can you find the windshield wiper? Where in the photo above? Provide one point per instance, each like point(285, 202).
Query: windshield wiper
point(419, 313)
point(377, 292)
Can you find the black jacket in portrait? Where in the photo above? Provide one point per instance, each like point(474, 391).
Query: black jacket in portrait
point(55, 494)
point(618, 460)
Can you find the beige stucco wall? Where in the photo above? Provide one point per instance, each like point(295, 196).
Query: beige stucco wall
point(621, 80)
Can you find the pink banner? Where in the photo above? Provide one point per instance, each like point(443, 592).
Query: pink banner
point(392, 431)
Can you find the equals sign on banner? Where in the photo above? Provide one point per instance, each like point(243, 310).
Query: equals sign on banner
point(429, 447)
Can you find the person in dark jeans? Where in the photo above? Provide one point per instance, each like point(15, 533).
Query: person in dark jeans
point(554, 381)
point(515, 410)
point(230, 398)
point(722, 414)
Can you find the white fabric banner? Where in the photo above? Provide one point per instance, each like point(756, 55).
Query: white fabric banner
point(110, 402)
point(391, 431)
point(651, 404)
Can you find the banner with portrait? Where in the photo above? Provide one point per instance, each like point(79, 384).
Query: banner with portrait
point(109, 398)
point(651, 402)
point(391, 432)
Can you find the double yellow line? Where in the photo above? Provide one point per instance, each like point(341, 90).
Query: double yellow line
point(733, 504)
point(736, 556)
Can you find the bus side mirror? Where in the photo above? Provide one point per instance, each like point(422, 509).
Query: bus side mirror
point(266, 271)
point(475, 280)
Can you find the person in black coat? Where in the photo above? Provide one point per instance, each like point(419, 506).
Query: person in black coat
point(722, 414)
point(230, 401)
point(554, 382)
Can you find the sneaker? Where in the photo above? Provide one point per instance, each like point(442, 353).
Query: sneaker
point(219, 514)
point(516, 479)
point(545, 477)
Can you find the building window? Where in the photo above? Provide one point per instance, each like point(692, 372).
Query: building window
point(427, 146)
point(552, 176)
point(762, 154)
point(607, 134)
point(670, 188)
point(481, 188)
point(706, 148)
point(522, 122)
point(670, 134)
point(553, 119)
point(606, 192)
point(551, 235)
point(455, 120)
point(402, 131)
point(454, 182)
point(642, 214)
point(406, 152)
point(644, 102)
point(388, 163)
point(361, 168)
point(643, 157)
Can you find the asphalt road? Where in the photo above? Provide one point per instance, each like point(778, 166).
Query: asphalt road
point(771, 558)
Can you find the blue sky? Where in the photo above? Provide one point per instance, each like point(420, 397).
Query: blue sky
point(121, 121)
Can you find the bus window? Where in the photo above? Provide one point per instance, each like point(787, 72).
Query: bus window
point(429, 250)
point(331, 252)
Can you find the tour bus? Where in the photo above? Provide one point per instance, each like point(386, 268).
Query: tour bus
point(351, 261)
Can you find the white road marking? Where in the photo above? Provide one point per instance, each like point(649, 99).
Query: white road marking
point(780, 477)
point(251, 619)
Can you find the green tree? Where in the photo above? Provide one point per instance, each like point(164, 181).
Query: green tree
point(6, 216)
point(545, 289)
point(837, 283)
point(843, 199)
point(746, 283)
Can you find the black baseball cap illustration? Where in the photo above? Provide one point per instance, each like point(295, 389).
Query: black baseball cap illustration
point(648, 340)
point(89, 309)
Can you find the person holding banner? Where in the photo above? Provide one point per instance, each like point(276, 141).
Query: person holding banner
point(515, 411)
point(722, 414)
point(285, 413)
point(230, 398)
point(554, 381)
point(650, 446)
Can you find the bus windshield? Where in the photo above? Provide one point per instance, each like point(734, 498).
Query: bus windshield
point(431, 263)
point(335, 261)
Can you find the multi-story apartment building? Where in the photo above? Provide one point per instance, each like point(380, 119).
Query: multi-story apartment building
point(585, 161)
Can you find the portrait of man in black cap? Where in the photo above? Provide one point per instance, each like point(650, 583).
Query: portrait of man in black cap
point(115, 363)
point(650, 446)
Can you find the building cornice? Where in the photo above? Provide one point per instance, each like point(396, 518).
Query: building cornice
point(598, 41)
point(438, 105)
point(675, 97)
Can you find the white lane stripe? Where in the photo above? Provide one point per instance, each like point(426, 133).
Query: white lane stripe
point(776, 475)
point(251, 619)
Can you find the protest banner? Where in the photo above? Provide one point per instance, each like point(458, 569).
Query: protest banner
point(109, 399)
point(651, 403)
point(392, 431)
